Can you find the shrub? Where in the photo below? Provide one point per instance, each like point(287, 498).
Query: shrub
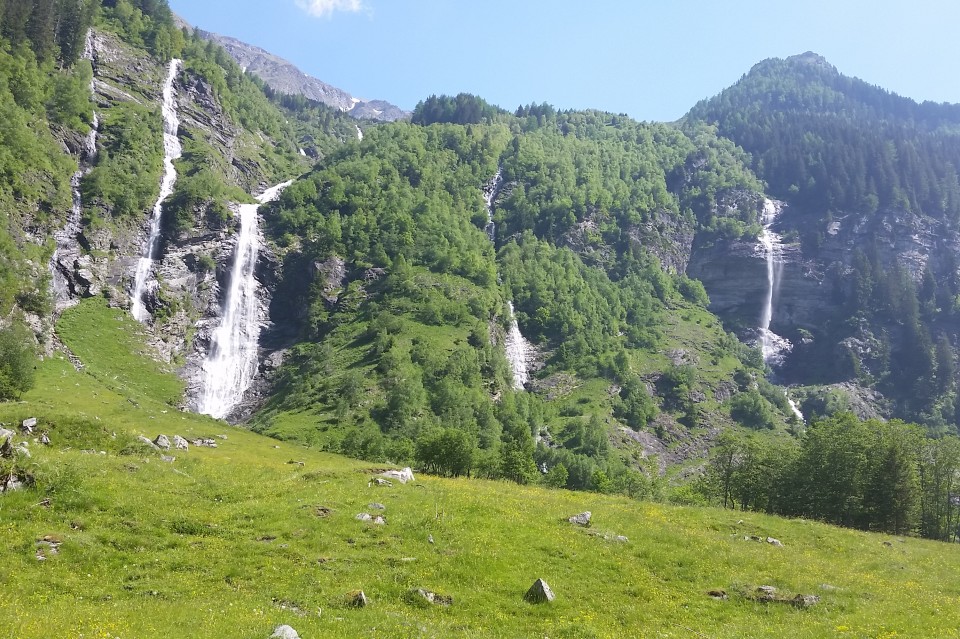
point(17, 359)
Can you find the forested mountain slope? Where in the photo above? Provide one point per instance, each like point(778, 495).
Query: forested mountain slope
point(871, 277)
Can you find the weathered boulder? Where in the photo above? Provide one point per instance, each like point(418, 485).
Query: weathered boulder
point(180, 443)
point(284, 632)
point(431, 597)
point(539, 593)
point(774, 542)
point(28, 425)
point(402, 476)
point(581, 519)
point(146, 440)
point(6, 434)
point(162, 442)
point(357, 599)
point(376, 506)
point(805, 601)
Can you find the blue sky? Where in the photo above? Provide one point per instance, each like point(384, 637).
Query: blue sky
point(650, 59)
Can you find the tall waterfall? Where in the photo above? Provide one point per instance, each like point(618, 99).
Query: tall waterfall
point(773, 346)
point(518, 350)
point(171, 152)
point(359, 133)
point(231, 363)
point(66, 237)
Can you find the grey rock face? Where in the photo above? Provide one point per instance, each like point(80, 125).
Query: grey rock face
point(146, 440)
point(28, 425)
point(180, 443)
point(539, 593)
point(283, 76)
point(162, 442)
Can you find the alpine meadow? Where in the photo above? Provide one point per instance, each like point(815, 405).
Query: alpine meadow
point(277, 361)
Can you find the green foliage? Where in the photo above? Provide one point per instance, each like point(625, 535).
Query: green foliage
point(447, 452)
point(18, 358)
point(752, 410)
point(462, 109)
point(127, 175)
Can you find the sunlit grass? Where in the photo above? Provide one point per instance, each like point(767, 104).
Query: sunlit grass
point(227, 542)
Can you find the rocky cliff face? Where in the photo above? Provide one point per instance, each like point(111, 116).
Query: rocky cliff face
point(284, 77)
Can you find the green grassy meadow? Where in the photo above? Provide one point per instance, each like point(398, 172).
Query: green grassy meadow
point(232, 541)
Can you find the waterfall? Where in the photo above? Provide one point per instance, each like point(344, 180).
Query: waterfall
point(518, 350)
point(231, 362)
point(773, 346)
point(66, 237)
point(171, 152)
point(359, 133)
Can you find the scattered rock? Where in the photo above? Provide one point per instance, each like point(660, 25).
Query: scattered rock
point(6, 434)
point(146, 440)
point(774, 542)
point(621, 538)
point(168, 458)
point(377, 481)
point(180, 443)
point(357, 599)
point(47, 547)
point(766, 593)
point(284, 632)
point(828, 587)
point(430, 538)
point(402, 476)
point(380, 520)
point(28, 425)
point(539, 593)
point(11, 483)
point(364, 517)
point(583, 519)
point(223, 437)
point(376, 506)
point(719, 595)
point(431, 597)
point(44, 439)
point(23, 450)
point(297, 463)
point(805, 601)
point(323, 511)
point(6, 449)
point(204, 442)
point(162, 442)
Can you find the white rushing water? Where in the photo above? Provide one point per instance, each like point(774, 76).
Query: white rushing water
point(519, 351)
point(171, 152)
point(773, 346)
point(231, 363)
point(359, 133)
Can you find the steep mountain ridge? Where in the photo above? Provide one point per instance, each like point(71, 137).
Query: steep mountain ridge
point(284, 77)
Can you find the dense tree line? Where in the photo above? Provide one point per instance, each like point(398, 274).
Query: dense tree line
point(883, 476)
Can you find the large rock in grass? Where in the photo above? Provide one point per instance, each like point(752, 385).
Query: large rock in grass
point(180, 443)
point(162, 442)
point(583, 519)
point(6, 434)
point(284, 632)
point(539, 593)
point(28, 425)
point(402, 476)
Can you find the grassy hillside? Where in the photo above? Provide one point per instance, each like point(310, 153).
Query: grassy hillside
point(230, 542)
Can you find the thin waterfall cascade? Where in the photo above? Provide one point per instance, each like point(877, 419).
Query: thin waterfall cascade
point(519, 350)
point(359, 133)
point(171, 151)
point(773, 346)
point(231, 363)
point(65, 238)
